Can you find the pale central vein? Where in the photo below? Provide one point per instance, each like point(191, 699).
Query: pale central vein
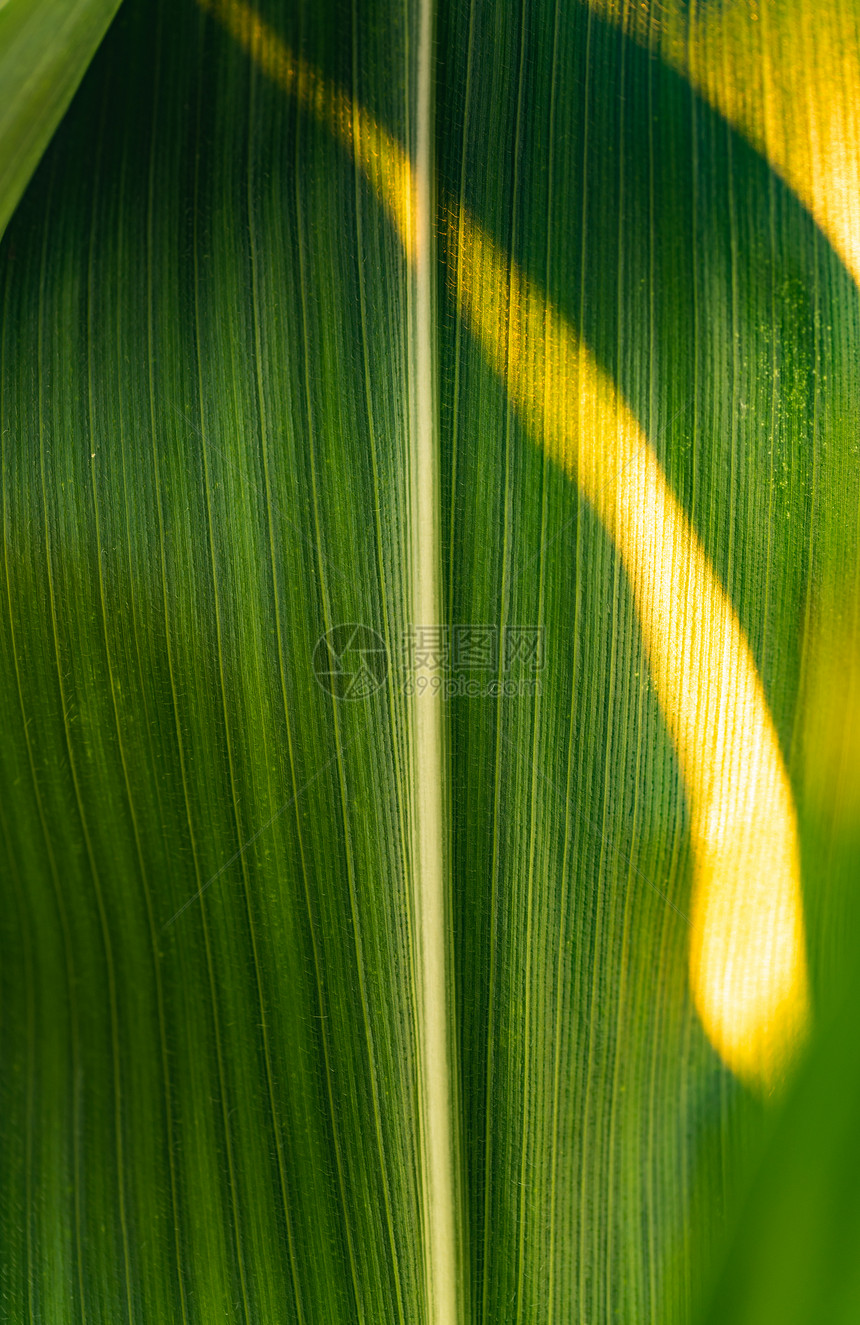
point(429, 830)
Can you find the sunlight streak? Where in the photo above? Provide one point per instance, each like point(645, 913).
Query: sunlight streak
point(375, 151)
point(787, 77)
point(747, 949)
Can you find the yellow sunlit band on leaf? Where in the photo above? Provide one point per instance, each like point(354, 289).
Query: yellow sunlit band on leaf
point(786, 76)
point(747, 950)
point(375, 151)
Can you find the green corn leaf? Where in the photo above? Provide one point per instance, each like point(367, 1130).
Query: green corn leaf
point(45, 47)
point(429, 663)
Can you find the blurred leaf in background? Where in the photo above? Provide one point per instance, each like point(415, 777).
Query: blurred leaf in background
point(45, 47)
point(793, 1255)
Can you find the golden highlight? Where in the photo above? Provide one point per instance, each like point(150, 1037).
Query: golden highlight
point(374, 150)
point(747, 950)
point(787, 77)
